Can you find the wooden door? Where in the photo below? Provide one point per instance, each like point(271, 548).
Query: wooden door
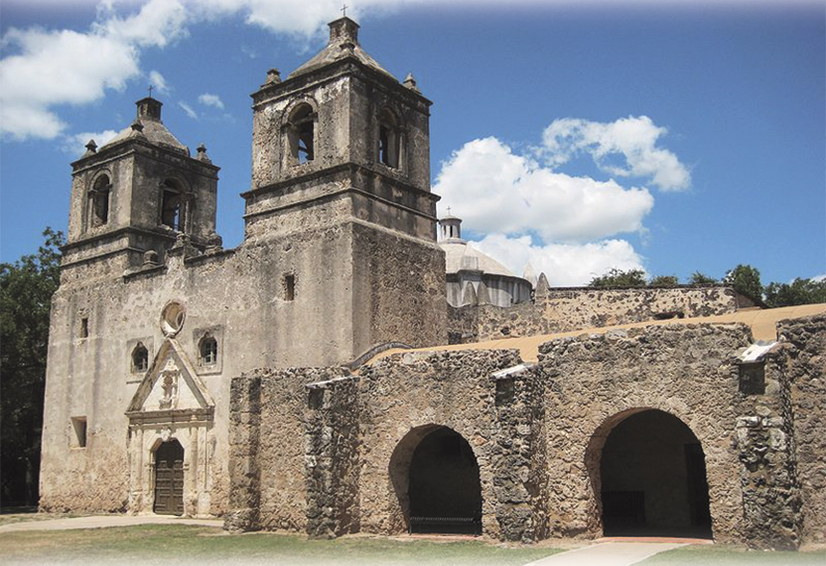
point(169, 479)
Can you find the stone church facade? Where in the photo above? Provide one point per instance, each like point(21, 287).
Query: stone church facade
point(186, 378)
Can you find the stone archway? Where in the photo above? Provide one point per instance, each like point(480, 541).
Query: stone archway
point(435, 475)
point(169, 478)
point(648, 473)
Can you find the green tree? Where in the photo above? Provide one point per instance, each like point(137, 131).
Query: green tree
point(664, 281)
point(799, 292)
point(746, 280)
point(618, 279)
point(698, 279)
point(26, 289)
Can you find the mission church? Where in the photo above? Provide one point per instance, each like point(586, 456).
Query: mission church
point(343, 370)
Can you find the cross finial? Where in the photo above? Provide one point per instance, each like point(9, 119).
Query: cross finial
point(150, 91)
point(344, 10)
point(448, 211)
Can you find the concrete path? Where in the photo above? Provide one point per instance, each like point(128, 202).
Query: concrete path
point(607, 554)
point(102, 521)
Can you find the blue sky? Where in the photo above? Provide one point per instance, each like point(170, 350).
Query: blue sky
point(576, 136)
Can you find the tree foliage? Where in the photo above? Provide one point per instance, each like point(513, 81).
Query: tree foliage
point(745, 279)
point(661, 281)
point(618, 279)
point(698, 279)
point(26, 289)
point(799, 292)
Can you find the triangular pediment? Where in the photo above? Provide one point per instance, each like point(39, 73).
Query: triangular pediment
point(171, 384)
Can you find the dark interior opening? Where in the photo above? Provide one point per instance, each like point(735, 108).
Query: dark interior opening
point(445, 491)
point(654, 479)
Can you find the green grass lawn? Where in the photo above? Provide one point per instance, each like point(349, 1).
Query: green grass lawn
point(169, 545)
point(727, 556)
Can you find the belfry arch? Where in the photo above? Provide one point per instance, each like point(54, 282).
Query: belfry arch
point(435, 476)
point(648, 475)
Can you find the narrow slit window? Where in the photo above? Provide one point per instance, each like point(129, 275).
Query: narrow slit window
point(79, 428)
point(84, 327)
point(289, 287)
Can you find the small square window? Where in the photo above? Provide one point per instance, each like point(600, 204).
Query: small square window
point(79, 427)
point(315, 399)
point(752, 378)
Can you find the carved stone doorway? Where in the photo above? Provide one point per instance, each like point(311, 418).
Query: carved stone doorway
point(169, 479)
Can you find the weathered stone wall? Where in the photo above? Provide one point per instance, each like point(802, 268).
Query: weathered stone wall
point(332, 457)
point(805, 366)
point(359, 434)
point(403, 398)
point(596, 381)
point(538, 432)
point(563, 310)
point(391, 305)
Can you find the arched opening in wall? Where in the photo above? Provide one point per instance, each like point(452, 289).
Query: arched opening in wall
point(301, 134)
point(100, 201)
point(389, 139)
point(172, 205)
point(208, 350)
point(436, 478)
point(652, 478)
point(169, 478)
point(140, 358)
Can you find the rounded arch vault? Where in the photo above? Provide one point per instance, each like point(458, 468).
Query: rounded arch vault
point(648, 474)
point(435, 477)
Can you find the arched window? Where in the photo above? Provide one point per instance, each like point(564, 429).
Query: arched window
point(172, 205)
point(140, 358)
point(208, 350)
point(389, 143)
point(99, 196)
point(301, 134)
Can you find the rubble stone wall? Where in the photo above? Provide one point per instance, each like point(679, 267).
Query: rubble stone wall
point(334, 458)
point(594, 382)
point(563, 310)
point(805, 367)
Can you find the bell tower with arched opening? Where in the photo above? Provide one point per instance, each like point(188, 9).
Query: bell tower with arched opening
point(140, 192)
point(341, 175)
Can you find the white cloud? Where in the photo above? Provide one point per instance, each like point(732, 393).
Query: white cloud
point(52, 67)
point(158, 23)
point(565, 265)
point(495, 190)
point(158, 81)
point(208, 99)
point(76, 143)
point(188, 109)
point(632, 139)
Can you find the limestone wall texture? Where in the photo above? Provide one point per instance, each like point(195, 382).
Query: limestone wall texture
point(537, 432)
point(563, 310)
point(805, 365)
